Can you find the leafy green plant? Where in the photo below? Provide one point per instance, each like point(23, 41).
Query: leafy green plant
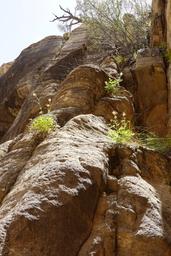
point(43, 124)
point(112, 86)
point(120, 130)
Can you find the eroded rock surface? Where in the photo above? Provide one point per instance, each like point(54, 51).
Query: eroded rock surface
point(56, 192)
point(76, 192)
point(109, 198)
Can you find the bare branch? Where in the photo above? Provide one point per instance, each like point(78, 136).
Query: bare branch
point(68, 16)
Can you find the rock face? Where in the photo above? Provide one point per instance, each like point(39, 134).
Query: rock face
point(151, 80)
point(111, 202)
point(53, 189)
point(75, 191)
point(161, 36)
point(40, 69)
point(159, 32)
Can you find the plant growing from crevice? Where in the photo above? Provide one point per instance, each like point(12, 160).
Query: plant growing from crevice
point(112, 86)
point(156, 143)
point(44, 123)
point(120, 130)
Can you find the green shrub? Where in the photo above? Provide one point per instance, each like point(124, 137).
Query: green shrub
point(43, 124)
point(120, 130)
point(112, 86)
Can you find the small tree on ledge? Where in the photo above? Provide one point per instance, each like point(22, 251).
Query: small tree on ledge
point(119, 25)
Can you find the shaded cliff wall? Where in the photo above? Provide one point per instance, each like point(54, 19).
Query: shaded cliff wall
point(161, 37)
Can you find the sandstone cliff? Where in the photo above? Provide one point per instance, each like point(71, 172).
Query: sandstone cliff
point(76, 192)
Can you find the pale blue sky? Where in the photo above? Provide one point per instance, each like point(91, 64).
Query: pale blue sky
point(24, 22)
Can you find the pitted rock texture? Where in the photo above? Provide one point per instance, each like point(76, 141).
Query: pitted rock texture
point(55, 194)
point(111, 199)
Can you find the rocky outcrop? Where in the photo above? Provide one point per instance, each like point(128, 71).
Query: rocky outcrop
point(82, 89)
point(75, 191)
point(57, 189)
point(22, 78)
point(41, 74)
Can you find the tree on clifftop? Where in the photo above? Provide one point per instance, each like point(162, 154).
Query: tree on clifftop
point(118, 25)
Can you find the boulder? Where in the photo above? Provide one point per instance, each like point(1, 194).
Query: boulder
point(82, 88)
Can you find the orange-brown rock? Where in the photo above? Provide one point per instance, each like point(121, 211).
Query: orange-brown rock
point(120, 104)
point(82, 88)
point(152, 95)
point(128, 219)
point(161, 36)
point(159, 32)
